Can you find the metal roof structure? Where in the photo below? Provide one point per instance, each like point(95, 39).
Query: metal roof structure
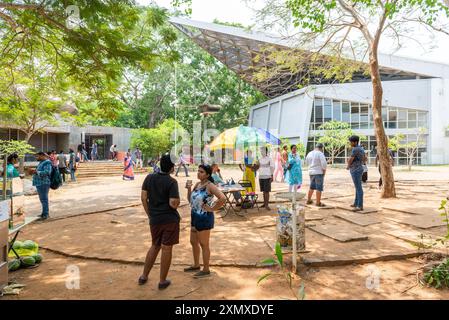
point(238, 48)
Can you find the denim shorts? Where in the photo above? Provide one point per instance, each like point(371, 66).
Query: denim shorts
point(202, 222)
point(317, 182)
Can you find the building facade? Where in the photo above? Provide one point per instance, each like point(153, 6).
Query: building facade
point(69, 137)
point(416, 94)
point(409, 109)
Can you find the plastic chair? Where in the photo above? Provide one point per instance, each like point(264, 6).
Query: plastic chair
point(249, 198)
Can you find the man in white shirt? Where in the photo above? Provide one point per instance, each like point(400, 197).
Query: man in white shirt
point(265, 167)
point(317, 169)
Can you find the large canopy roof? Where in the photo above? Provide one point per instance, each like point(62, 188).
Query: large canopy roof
point(238, 48)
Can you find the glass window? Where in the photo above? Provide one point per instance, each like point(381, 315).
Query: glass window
point(392, 118)
point(402, 115)
point(422, 119)
point(364, 116)
point(327, 110)
point(345, 108)
point(319, 114)
point(336, 110)
point(355, 115)
point(412, 123)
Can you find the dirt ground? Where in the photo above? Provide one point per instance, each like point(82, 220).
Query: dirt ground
point(99, 229)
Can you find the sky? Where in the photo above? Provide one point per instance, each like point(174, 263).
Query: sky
point(237, 11)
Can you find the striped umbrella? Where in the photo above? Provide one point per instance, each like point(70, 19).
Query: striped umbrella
point(243, 136)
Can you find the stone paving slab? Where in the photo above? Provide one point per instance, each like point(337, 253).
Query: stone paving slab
point(315, 208)
point(416, 210)
point(356, 218)
point(414, 237)
point(339, 232)
point(419, 221)
point(348, 207)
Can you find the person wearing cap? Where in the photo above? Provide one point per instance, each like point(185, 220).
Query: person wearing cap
point(317, 169)
point(160, 199)
point(41, 180)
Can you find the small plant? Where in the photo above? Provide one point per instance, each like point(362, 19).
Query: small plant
point(284, 272)
point(438, 276)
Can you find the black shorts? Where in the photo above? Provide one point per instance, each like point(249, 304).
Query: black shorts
point(165, 234)
point(265, 185)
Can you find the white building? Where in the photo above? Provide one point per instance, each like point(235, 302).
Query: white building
point(416, 94)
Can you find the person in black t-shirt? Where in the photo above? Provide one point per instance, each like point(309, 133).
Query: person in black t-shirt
point(160, 199)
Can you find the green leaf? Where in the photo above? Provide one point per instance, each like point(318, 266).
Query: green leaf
point(264, 277)
point(269, 261)
point(279, 253)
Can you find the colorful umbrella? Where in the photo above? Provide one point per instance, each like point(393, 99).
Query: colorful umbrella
point(243, 136)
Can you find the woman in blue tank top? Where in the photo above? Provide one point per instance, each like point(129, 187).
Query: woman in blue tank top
point(202, 217)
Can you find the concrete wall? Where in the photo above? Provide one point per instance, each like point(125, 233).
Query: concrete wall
point(414, 94)
point(287, 116)
point(439, 121)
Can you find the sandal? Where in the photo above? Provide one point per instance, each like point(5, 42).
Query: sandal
point(191, 269)
point(142, 280)
point(309, 202)
point(164, 285)
point(321, 205)
point(202, 274)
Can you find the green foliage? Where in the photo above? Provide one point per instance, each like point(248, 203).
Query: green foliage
point(155, 141)
point(315, 15)
point(438, 276)
point(21, 148)
point(197, 79)
point(93, 56)
point(334, 136)
point(301, 148)
point(186, 5)
point(35, 99)
point(444, 208)
point(278, 261)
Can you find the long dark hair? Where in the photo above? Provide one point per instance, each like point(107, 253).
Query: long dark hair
point(11, 158)
point(208, 170)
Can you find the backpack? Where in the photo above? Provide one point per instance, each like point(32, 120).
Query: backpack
point(55, 178)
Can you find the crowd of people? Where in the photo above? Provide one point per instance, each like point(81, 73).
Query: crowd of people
point(160, 192)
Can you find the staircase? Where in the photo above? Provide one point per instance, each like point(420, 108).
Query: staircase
point(103, 168)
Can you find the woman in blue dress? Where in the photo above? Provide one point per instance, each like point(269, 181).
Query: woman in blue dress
point(294, 172)
point(202, 217)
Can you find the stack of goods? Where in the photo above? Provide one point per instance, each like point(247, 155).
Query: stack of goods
point(284, 227)
point(29, 255)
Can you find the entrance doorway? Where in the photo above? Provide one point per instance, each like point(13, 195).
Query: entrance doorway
point(103, 141)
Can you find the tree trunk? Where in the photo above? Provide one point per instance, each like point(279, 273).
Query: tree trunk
point(28, 136)
point(388, 188)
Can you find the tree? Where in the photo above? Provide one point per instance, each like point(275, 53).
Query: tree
point(327, 41)
point(21, 148)
point(93, 41)
point(334, 136)
point(400, 143)
point(155, 141)
point(35, 99)
point(197, 78)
